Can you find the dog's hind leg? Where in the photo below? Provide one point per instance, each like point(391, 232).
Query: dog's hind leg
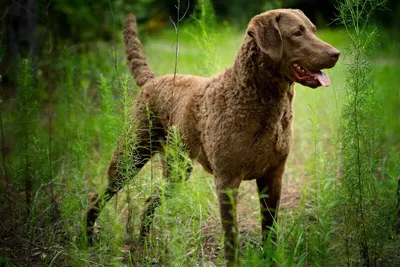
point(154, 200)
point(117, 180)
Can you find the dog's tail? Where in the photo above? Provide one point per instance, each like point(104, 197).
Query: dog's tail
point(135, 58)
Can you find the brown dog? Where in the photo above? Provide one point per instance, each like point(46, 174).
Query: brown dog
point(237, 124)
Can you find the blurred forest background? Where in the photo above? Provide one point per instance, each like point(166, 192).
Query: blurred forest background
point(25, 23)
point(66, 98)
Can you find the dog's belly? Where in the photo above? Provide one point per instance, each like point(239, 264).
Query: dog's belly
point(205, 163)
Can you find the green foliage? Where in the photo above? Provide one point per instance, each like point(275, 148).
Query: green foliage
point(26, 101)
point(366, 226)
point(241, 11)
point(128, 142)
point(108, 120)
point(176, 156)
point(320, 199)
point(92, 111)
point(205, 22)
point(88, 20)
point(25, 131)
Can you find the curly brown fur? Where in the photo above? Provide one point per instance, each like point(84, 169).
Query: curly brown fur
point(136, 60)
point(237, 124)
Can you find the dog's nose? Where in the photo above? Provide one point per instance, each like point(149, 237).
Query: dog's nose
point(334, 53)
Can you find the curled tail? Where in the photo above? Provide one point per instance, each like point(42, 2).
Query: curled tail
point(135, 58)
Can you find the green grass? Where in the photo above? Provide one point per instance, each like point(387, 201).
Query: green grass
point(91, 114)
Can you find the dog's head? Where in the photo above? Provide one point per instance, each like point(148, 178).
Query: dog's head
point(287, 37)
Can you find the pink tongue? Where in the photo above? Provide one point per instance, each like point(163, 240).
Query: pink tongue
point(323, 78)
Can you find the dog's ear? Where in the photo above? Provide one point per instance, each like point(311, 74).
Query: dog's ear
point(265, 31)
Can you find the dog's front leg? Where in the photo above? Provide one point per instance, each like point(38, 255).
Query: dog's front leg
point(227, 198)
point(269, 190)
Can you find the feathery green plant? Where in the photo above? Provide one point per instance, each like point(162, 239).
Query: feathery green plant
point(173, 191)
point(360, 204)
point(319, 199)
point(65, 103)
point(108, 122)
point(206, 23)
point(30, 166)
point(129, 160)
point(25, 118)
point(176, 156)
point(7, 186)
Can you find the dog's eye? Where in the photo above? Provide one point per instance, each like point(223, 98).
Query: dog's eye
point(298, 33)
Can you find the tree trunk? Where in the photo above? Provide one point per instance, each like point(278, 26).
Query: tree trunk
point(19, 35)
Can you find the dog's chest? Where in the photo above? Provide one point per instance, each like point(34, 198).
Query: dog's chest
point(253, 144)
point(273, 135)
point(247, 137)
point(268, 142)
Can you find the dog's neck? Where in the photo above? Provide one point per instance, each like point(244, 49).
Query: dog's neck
point(252, 67)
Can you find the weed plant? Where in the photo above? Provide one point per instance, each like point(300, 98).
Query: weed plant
point(364, 211)
point(25, 117)
point(205, 23)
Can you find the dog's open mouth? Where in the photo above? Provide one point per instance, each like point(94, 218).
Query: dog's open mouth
point(310, 78)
